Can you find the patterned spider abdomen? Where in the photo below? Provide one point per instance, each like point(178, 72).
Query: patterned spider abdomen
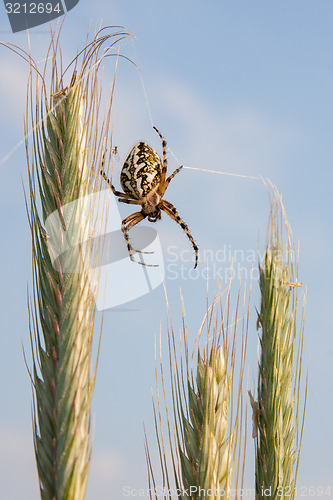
point(141, 172)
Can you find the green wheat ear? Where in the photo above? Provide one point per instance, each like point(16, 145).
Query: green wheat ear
point(206, 452)
point(206, 440)
point(276, 415)
point(63, 161)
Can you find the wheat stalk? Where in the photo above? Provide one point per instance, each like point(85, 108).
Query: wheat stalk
point(207, 438)
point(63, 160)
point(277, 430)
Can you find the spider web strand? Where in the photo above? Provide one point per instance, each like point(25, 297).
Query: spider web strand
point(152, 124)
point(223, 173)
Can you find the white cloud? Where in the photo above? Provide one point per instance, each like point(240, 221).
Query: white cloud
point(17, 460)
point(241, 138)
point(13, 90)
point(17, 465)
point(106, 466)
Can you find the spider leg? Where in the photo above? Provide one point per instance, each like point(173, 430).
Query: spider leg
point(167, 182)
point(126, 225)
point(115, 192)
point(130, 202)
point(165, 163)
point(172, 212)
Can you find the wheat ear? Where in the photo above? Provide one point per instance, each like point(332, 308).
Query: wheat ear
point(64, 151)
point(206, 441)
point(277, 427)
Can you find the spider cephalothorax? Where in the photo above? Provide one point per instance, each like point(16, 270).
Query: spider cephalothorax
point(143, 179)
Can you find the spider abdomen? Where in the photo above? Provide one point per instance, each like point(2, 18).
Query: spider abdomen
point(142, 171)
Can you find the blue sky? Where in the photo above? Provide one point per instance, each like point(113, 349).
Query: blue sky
point(240, 87)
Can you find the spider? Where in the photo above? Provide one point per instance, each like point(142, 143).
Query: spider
point(143, 179)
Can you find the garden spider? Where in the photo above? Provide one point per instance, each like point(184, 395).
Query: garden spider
point(143, 179)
